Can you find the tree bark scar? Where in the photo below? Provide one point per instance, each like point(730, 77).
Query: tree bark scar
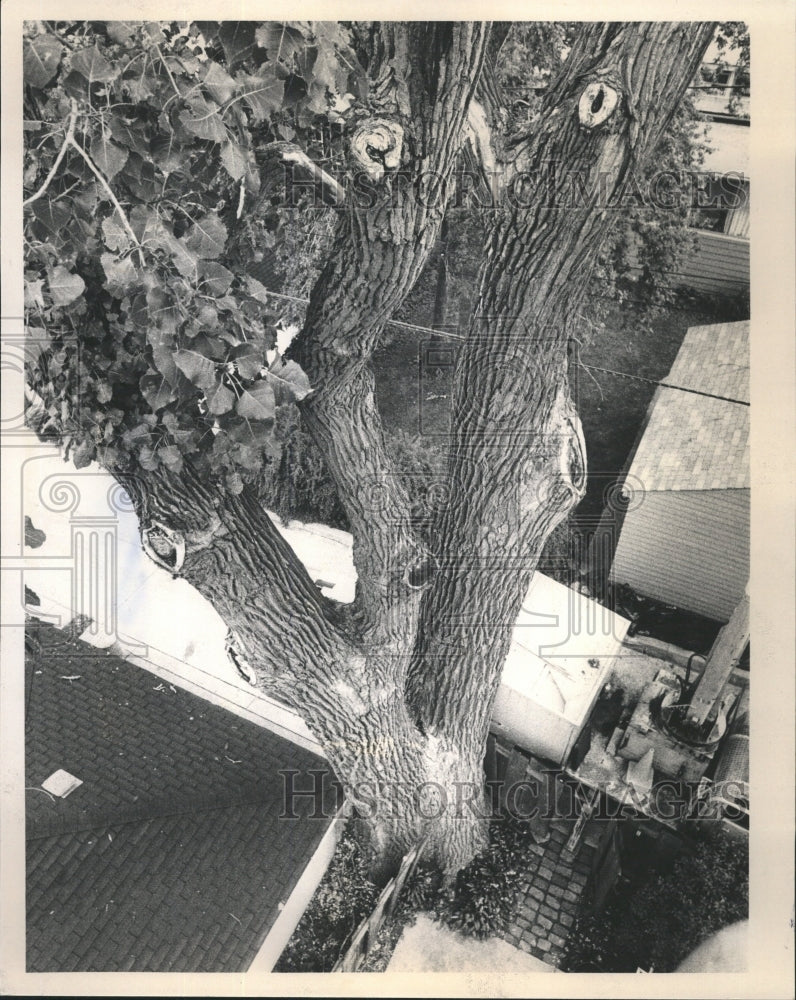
point(164, 546)
point(598, 101)
point(202, 538)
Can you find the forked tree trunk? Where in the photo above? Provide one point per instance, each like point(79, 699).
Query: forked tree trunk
point(399, 694)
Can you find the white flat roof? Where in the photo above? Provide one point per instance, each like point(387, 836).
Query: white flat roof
point(558, 632)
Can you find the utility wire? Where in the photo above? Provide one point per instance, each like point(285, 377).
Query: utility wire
point(579, 364)
point(666, 385)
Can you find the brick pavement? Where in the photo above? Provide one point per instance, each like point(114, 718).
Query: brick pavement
point(551, 893)
point(170, 856)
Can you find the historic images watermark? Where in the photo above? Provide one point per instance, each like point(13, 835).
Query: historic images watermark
point(553, 184)
point(547, 796)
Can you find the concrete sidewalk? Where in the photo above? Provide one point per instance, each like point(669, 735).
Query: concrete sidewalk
point(427, 946)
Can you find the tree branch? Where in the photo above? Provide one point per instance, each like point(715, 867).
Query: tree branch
point(68, 140)
point(379, 253)
point(120, 211)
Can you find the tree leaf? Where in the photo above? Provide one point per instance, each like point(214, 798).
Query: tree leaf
point(186, 262)
point(281, 41)
point(207, 237)
point(65, 287)
point(220, 399)
point(263, 94)
point(93, 65)
point(170, 455)
point(156, 390)
point(237, 40)
point(198, 369)
point(218, 83)
point(40, 59)
point(168, 154)
point(121, 31)
point(104, 392)
point(162, 315)
point(252, 435)
point(248, 360)
point(121, 274)
point(53, 217)
point(131, 135)
point(290, 378)
point(146, 224)
point(148, 458)
point(136, 434)
point(203, 120)
point(108, 157)
point(33, 293)
point(233, 482)
point(234, 159)
point(257, 290)
point(215, 279)
point(83, 455)
point(153, 33)
point(115, 235)
point(257, 403)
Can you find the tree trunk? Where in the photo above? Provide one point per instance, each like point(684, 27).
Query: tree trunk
point(441, 289)
point(399, 690)
point(304, 650)
point(517, 457)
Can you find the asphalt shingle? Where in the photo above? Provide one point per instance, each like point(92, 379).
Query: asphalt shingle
point(695, 442)
point(170, 856)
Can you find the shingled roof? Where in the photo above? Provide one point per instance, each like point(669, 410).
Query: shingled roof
point(170, 856)
point(693, 441)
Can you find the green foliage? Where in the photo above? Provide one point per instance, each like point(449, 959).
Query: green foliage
point(733, 36)
point(659, 922)
point(650, 234)
point(145, 145)
point(421, 891)
point(343, 899)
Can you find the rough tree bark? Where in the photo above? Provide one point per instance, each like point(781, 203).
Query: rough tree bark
point(399, 688)
point(517, 456)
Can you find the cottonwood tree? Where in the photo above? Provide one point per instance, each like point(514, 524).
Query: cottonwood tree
point(155, 179)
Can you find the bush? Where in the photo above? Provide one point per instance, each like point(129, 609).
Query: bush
point(301, 486)
point(421, 891)
point(342, 900)
point(483, 894)
point(658, 923)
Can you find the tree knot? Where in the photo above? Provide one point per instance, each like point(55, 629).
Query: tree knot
point(596, 105)
point(376, 147)
point(164, 546)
